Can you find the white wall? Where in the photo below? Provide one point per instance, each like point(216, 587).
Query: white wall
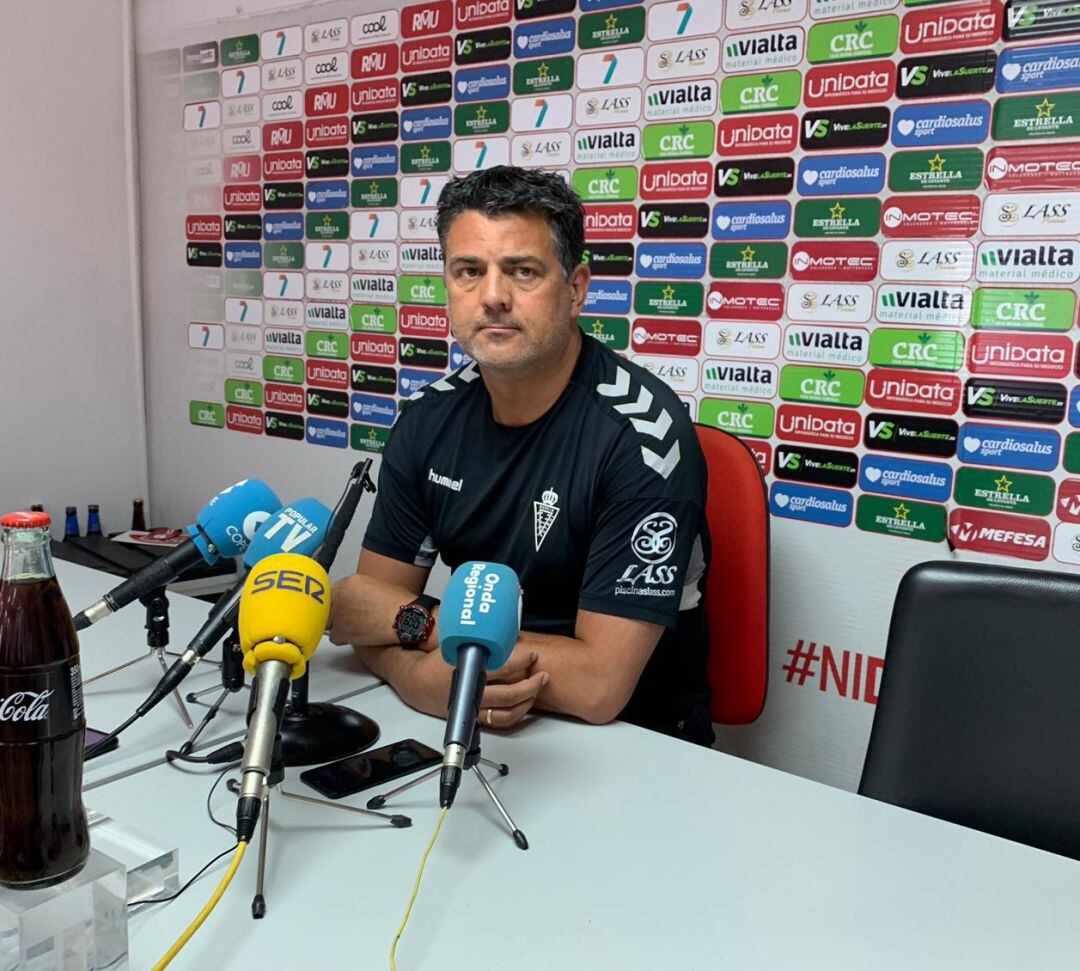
point(73, 429)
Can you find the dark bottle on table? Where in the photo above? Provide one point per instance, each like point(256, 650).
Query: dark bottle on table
point(93, 520)
point(43, 835)
point(138, 515)
point(71, 523)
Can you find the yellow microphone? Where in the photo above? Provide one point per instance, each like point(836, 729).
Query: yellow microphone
point(284, 607)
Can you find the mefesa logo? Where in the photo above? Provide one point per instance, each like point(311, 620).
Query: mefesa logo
point(240, 419)
point(849, 84)
point(757, 135)
point(676, 180)
point(610, 222)
point(855, 261)
point(951, 28)
point(1068, 502)
point(816, 425)
point(1020, 355)
point(1035, 167)
point(666, 336)
point(941, 216)
point(1000, 533)
point(915, 391)
point(745, 301)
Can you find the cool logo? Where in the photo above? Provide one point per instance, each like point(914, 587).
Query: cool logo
point(477, 590)
point(309, 586)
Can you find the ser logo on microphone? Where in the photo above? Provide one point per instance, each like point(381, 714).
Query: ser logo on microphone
point(293, 580)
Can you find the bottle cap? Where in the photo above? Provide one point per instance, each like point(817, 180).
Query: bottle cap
point(25, 520)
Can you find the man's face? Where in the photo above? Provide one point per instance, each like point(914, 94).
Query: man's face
point(511, 306)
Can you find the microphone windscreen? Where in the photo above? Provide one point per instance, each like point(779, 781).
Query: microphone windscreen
point(298, 528)
point(284, 607)
point(230, 519)
point(481, 605)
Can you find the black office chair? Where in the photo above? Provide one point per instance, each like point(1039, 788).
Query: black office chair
point(978, 717)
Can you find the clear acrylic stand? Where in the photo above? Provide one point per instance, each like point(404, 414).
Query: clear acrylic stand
point(77, 925)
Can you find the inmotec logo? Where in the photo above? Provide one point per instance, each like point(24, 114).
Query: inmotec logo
point(837, 261)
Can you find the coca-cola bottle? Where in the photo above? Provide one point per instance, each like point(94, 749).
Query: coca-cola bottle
point(43, 836)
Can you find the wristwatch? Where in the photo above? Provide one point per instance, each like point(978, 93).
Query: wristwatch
point(415, 621)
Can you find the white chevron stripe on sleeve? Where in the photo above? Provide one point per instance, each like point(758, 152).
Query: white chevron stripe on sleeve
point(658, 428)
point(639, 407)
point(620, 386)
point(662, 466)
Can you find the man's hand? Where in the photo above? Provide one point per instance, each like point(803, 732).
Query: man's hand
point(423, 682)
point(511, 690)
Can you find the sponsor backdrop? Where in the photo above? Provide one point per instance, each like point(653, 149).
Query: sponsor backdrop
point(845, 230)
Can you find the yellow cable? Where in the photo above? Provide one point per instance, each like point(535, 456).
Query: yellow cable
point(205, 912)
point(415, 889)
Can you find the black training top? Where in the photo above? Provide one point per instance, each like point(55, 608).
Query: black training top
point(598, 504)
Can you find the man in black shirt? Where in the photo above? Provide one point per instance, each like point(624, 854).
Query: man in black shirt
point(553, 455)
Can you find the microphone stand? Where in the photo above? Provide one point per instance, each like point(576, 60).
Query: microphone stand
point(473, 760)
point(157, 640)
point(232, 680)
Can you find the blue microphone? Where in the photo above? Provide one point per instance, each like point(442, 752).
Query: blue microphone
point(224, 527)
point(299, 528)
point(478, 626)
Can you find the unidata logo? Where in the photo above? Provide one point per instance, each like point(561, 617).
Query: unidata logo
point(757, 136)
point(955, 123)
point(1039, 68)
point(470, 14)
point(374, 95)
point(849, 84)
point(1020, 448)
point(830, 507)
point(904, 390)
point(676, 180)
point(817, 425)
point(610, 222)
point(1020, 355)
point(842, 174)
point(951, 27)
point(906, 478)
point(746, 220)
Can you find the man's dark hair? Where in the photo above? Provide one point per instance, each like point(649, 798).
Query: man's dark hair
point(508, 189)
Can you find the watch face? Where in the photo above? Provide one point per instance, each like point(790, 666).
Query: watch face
point(412, 624)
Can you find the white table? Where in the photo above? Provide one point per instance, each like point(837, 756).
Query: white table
point(646, 854)
point(121, 637)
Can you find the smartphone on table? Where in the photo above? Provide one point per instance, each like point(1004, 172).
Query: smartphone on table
point(371, 769)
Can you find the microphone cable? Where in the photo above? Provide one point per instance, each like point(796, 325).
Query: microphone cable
point(415, 889)
point(200, 919)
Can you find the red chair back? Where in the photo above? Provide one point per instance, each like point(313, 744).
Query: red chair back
point(737, 587)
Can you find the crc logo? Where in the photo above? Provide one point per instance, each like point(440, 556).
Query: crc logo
point(654, 538)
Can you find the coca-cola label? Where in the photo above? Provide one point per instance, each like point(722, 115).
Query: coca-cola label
point(40, 702)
